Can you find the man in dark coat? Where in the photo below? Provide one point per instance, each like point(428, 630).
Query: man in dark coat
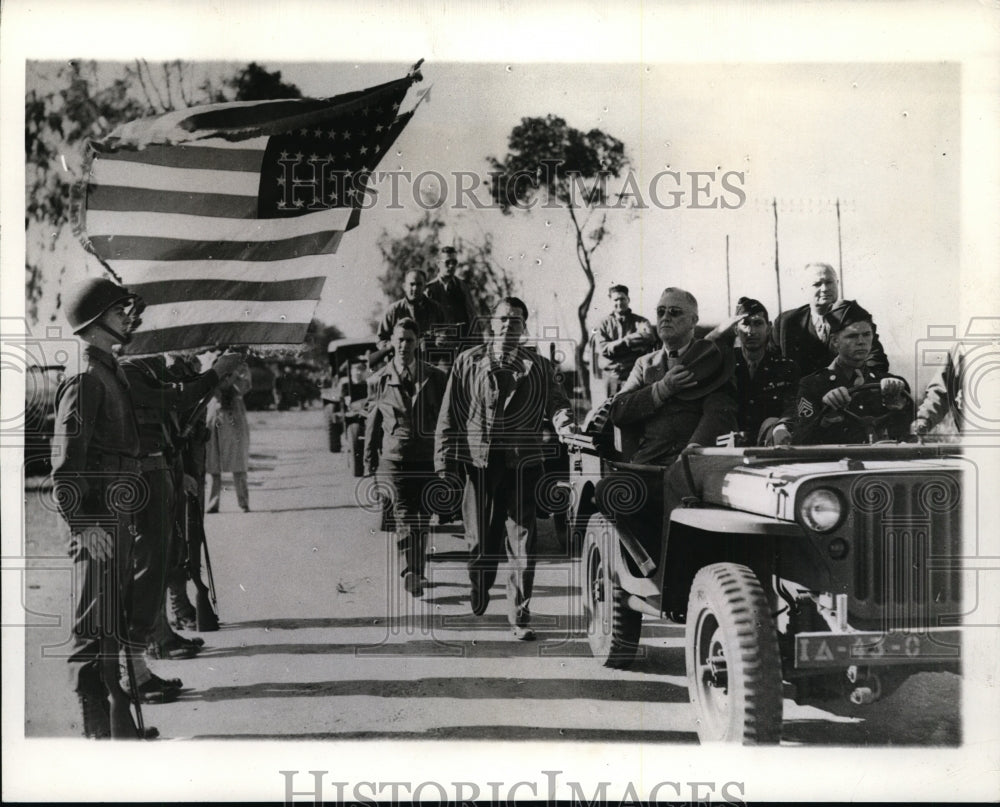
point(825, 400)
point(802, 334)
point(405, 398)
point(766, 382)
point(460, 314)
point(415, 305)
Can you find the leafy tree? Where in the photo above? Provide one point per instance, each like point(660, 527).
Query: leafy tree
point(550, 162)
point(71, 103)
point(318, 336)
point(418, 248)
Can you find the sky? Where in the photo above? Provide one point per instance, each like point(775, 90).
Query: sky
point(881, 139)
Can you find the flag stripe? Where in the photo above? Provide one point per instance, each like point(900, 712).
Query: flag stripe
point(151, 225)
point(144, 199)
point(176, 249)
point(133, 272)
point(172, 291)
point(218, 333)
point(158, 177)
point(197, 312)
point(211, 158)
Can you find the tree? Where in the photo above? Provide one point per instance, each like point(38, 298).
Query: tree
point(417, 248)
point(318, 337)
point(72, 103)
point(551, 162)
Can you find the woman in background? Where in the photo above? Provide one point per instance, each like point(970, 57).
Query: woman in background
point(229, 439)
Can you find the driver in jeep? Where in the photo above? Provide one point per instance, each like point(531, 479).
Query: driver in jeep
point(849, 402)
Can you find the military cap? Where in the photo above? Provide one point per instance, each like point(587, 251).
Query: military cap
point(845, 313)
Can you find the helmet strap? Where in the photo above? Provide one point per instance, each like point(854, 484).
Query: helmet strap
point(122, 339)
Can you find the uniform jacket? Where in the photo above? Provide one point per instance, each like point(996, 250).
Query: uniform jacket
point(814, 426)
point(455, 301)
point(795, 336)
point(944, 392)
point(474, 419)
point(424, 311)
point(96, 437)
point(766, 397)
point(156, 400)
point(668, 428)
point(401, 424)
point(619, 359)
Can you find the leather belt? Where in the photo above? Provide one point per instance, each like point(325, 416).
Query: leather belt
point(154, 462)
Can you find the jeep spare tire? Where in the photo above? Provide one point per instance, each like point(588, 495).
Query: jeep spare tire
point(612, 628)
point(733, 665)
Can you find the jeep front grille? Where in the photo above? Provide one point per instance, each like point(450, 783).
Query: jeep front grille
point(900, 524)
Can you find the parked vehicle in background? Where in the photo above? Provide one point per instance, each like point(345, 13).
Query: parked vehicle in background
point(833, 568)
point(261, 394)
point(345, 401)
point(40, 385)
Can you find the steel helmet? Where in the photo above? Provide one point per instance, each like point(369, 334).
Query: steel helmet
point(88, 301)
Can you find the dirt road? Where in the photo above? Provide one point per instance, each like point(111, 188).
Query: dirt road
point(320, 641)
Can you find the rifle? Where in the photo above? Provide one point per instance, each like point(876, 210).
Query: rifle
point(206, 605)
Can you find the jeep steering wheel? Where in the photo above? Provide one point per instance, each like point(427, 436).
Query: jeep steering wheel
point(871, 423)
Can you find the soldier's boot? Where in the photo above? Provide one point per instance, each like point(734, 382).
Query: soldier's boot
point(179, 607)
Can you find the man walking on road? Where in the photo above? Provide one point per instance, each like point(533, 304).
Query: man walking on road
point(498, 398)
point(406, 397)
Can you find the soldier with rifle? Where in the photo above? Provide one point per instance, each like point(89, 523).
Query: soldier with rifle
point(96, 476)
point(157, 399)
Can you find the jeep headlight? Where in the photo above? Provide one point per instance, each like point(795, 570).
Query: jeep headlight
point(821, 510)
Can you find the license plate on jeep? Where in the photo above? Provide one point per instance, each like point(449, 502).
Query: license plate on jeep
point(871, 648)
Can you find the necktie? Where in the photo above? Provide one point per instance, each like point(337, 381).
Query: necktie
point(822, 329)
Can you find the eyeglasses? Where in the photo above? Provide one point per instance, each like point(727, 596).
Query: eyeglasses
point(673, 312)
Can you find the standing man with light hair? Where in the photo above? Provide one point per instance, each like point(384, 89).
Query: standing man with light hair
point(620, 338)
point(415, 305)
point(803, 334)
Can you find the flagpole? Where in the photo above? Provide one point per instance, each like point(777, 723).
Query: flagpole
point(729, 293)
point(777, 274)
point(840, 253)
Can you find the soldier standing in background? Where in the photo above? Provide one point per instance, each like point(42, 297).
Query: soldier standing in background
point(452, 294)
point(620, 338)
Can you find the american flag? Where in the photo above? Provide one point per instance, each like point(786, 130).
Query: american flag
point(223, 217)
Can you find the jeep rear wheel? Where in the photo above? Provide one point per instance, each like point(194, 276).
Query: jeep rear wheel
point(733, 665)
point(612, 628)
point(334, 431)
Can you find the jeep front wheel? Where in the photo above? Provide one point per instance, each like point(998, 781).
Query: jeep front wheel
point(612, 628)
point(733, 665)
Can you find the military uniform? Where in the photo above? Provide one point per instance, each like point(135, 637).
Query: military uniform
point(815, 425)
point(424, 311)
point(765, 395)
point(97, 484)
point(155, 399)
point(615, 358)
point(399, 443)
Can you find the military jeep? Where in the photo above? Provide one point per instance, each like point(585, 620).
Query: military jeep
point(827, 568)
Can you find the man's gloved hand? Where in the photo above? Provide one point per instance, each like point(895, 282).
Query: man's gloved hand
point(229, 362)
point(892, 393)
point(677, 378)
point(780, 435)
point(190, 485)
point(98, 542)
point(837, 398)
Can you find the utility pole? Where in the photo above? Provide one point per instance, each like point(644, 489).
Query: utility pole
point(777, 274)
point(729, 293)
point(840, 253)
